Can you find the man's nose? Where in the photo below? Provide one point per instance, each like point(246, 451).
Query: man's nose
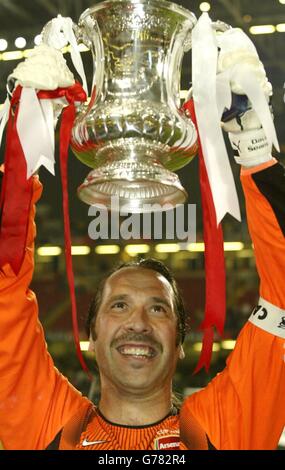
point(138, 321)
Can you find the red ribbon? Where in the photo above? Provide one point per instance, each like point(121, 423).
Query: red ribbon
point(215, 302)
point(67, 122)
point(16, 193)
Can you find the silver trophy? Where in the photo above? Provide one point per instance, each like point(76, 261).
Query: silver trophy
point(133, 133)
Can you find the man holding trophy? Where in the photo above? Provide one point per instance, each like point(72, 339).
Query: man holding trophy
point(137, 320)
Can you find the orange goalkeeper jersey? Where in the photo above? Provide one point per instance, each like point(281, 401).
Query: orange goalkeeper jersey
point(91, 431)
point(241, 408)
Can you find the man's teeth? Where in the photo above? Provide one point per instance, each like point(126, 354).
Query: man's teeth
point(135, 351)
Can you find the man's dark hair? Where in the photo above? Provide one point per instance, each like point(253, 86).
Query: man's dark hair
point(154, 265)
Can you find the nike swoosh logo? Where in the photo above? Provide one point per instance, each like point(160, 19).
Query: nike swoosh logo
point(91, 443)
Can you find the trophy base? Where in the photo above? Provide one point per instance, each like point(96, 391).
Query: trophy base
point(132, 186)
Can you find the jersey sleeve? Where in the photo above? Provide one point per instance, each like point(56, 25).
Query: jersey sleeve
point(35, 399)
point(242, 408)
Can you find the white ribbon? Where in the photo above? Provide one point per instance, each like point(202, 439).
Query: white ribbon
point(4, 115)
point(224, 94)
point(36, 133)
point(58, 33)
point(208, 112)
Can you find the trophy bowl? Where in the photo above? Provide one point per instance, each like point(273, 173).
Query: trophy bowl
point(132, 132)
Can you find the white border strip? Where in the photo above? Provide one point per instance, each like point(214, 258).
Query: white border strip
point(268, 317)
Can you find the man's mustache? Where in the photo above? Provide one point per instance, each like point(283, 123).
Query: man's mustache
point(138, 338)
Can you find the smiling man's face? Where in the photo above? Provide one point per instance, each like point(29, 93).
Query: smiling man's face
point(136, 332)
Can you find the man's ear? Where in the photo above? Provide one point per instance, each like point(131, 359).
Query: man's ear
point(181, 352)
point(91, 347)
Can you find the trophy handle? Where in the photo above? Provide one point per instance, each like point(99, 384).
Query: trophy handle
point(187, 43)
point(81, 36)
point(88, 33)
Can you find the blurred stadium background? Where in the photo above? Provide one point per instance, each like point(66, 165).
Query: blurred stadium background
point(265, 24)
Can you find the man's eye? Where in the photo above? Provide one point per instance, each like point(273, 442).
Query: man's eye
point(118, 306)
point(158, 309)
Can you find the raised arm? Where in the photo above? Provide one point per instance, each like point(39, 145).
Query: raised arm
point(36, 400)
point(241, 407)
point(265, 205)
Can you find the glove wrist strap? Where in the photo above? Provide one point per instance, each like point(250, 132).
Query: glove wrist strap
point(251, 147)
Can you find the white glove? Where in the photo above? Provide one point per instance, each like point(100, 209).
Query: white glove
point(237, 49)
point(247, 138)
point(44, 69)
point(246, 134)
